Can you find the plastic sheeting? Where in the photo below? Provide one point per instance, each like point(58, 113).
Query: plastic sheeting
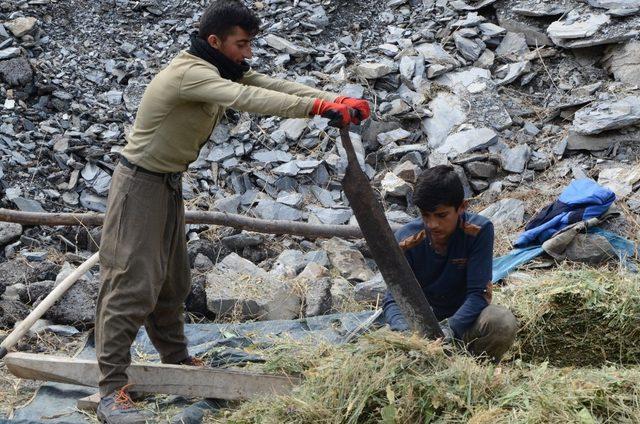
point(504, 265)
point(56, 403)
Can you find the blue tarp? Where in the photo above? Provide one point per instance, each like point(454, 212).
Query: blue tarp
point(503, 265)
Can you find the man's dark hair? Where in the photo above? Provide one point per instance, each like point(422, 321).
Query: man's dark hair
point(438, 186)
point(221, 16)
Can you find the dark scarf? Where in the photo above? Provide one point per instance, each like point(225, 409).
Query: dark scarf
point(228, 69)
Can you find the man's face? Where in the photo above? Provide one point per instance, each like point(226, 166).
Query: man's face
point(236, 46)
point(442, 222)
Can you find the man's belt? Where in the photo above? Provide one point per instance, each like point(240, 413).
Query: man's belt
point(173, 179)
point(137, 168)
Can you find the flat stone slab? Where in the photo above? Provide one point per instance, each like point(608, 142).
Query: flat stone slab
point(607, 115)
point(577, 26)
point(467, 141)
point(505, 213)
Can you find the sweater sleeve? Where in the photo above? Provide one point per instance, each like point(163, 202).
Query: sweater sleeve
point(261, 80)
point(479, 272)
point(203, 84)
point(392, 313)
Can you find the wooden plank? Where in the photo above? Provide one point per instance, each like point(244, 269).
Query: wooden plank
point(89, 403)
point(218, 383)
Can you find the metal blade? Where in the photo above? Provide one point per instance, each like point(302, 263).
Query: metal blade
point(390, 259)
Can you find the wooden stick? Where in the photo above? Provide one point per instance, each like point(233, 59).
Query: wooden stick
point(46, 303)
point(193, 217)
point(219, 383)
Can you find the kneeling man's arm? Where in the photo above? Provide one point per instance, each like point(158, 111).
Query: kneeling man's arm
point(479, 275)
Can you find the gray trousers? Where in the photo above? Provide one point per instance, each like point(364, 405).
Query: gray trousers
point(145, 273)
point(493, 333)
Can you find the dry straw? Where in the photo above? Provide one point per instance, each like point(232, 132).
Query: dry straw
point(389, 378)
point(578, 317)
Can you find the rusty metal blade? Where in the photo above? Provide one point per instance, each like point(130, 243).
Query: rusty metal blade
point(383, 246)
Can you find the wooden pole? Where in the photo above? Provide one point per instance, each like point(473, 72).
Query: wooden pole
point(46, 303)
point(194, 217)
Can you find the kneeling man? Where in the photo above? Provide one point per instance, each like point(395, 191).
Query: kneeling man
point(451, 252)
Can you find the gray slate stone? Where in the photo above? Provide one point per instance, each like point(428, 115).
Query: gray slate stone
point(576, 25)
point(16, 72)
point(318, 299)
point(467, 141)
point(505, 213)
point(393, 185)
point(319, 257)
point(228, 204)
point(324, 196)
point(11, 311)
point(221, 153)
point(513, 47)
point(484, 170)
point(269, 209)
point(515, 159)
point(347, 260)
point(603, 116)
point(269, 156)
point(242, 240)
point(448, 113)
point(333, 216)
point(77, 306)
point(230, 294)
point(286, 46)
point(9, 232)
point(623, 61)
point(374, 70)
point(289, 263)
point(294, 128)
point(593, 249)
point(93, 202)
point(9, 53)
point(468, 48)
point(336, 62)
point(372, 290)
point(27, 205)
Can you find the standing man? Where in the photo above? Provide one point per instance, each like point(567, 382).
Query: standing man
point(451, 254)
point(143, 253)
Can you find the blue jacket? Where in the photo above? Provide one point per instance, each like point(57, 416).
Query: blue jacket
point(458, 284)
point(581, 200)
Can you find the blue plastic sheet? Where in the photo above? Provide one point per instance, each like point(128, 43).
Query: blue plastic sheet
point(504, 265)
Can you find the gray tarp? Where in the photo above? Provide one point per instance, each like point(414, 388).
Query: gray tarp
point(56, 403)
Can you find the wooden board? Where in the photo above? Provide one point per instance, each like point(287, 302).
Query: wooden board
point(89, 403)
point(219, 383)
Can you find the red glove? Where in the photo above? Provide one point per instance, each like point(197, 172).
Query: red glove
point(361, 107)
point(337, 114)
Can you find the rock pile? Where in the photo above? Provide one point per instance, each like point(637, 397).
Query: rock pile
point(501, 89)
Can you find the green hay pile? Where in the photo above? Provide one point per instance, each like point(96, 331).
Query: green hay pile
point(578, 317)
point(389, 378)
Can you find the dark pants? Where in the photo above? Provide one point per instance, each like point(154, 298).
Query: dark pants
point(493, 332)
point(144, 270)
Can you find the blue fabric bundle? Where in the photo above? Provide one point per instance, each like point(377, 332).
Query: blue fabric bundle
point(581, 200)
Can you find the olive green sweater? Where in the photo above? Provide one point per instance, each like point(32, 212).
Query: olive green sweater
point(187, 99)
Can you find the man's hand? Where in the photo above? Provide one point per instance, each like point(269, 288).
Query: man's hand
point(398, 323)
point(447, 331)
point(339, 115)
point(361, 107)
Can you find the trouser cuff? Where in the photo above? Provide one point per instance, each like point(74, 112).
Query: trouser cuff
point(107, 389)
point(175, 358)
